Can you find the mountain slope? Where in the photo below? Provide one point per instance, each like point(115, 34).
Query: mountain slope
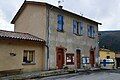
point(110, 40)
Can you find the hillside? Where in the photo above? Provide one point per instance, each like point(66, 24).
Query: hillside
point(110, 40)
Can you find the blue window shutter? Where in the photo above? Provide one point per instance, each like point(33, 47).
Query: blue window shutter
point(60, 23)
point(91, 31)
point(74, 27)
point(88, 30)
point(81, 28)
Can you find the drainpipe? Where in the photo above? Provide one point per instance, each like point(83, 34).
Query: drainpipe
point(48, 35)
point(47, 56)
point(47, 39)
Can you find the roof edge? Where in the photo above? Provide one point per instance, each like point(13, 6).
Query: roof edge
point(13, 32)
point(25, 2)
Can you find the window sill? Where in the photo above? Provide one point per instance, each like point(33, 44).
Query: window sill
point(91, 37)
point(85, 63)
point(69, 63)
point(60, 30)
point(78, 34)
point(28, 63)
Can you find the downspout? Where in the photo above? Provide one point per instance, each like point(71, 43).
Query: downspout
point(47, 41)
point(48, 34)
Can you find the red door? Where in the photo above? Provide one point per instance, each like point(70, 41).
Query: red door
point(92, 58)
point(60, 58)
point(78, 58)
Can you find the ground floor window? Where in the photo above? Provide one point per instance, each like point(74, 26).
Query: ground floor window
point(108, 57)
point(69, 59)
point(29, 56)
point(85, 60)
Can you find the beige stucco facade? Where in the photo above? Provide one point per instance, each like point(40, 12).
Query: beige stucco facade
point(105, 52)
point(41, 21)
point(32, 20)
point(9, 63)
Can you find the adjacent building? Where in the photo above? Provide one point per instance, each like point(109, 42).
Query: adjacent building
point(106, 54)
point(107, 59)
point(117, 57)
point(20, 52)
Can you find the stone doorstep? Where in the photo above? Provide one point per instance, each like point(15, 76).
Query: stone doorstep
point(95, 69)
point(53, 73)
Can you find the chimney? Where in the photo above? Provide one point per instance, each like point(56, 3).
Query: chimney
point(60, 7)
point(60, 4)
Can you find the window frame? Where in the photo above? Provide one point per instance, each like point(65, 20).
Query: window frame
point(81, 28)
point(60, 23)
point(72, 59)
point(77, 28)
point(91, 31)
point(28, 52)
point(87, 60)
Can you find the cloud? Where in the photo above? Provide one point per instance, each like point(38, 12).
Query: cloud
point(4, 24)
point(106, 12)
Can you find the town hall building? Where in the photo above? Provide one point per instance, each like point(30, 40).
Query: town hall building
point(66, 39)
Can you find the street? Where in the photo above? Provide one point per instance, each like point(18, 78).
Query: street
point(95, 76)
point(102, 75)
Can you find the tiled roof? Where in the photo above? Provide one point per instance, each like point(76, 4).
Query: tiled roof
point(19, 35)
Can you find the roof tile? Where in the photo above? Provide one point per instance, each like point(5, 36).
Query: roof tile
point(19, 35)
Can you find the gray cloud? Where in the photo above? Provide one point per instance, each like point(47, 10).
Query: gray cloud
point(105, 11)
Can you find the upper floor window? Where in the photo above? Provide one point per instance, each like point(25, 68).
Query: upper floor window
point(28, 56)
point(81, 28)
point(91, 31)
point(60, 23)
point(77, 27)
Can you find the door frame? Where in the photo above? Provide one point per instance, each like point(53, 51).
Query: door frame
point(78, 65)
point(92, 57)
point(63, 56)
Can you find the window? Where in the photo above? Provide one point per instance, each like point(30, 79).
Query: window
point(85, 60)
point(91, 31)
point(28, 56)
point(81, 28)
point(69, 59)
point(77, 27)
point(108, 57)
point(60, 23)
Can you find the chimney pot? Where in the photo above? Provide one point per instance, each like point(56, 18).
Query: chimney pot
point(60, 7)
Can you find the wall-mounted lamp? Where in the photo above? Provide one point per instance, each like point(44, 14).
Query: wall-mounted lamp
point(65, 49)
point(12, 54)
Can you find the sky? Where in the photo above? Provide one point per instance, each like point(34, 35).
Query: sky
point(106, 12)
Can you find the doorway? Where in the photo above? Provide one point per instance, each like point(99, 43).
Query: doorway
point(60, 58)
point(92, 58)
point(78, 57)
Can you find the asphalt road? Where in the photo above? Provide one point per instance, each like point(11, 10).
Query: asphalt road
point(95, 76)
point(99, 75)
